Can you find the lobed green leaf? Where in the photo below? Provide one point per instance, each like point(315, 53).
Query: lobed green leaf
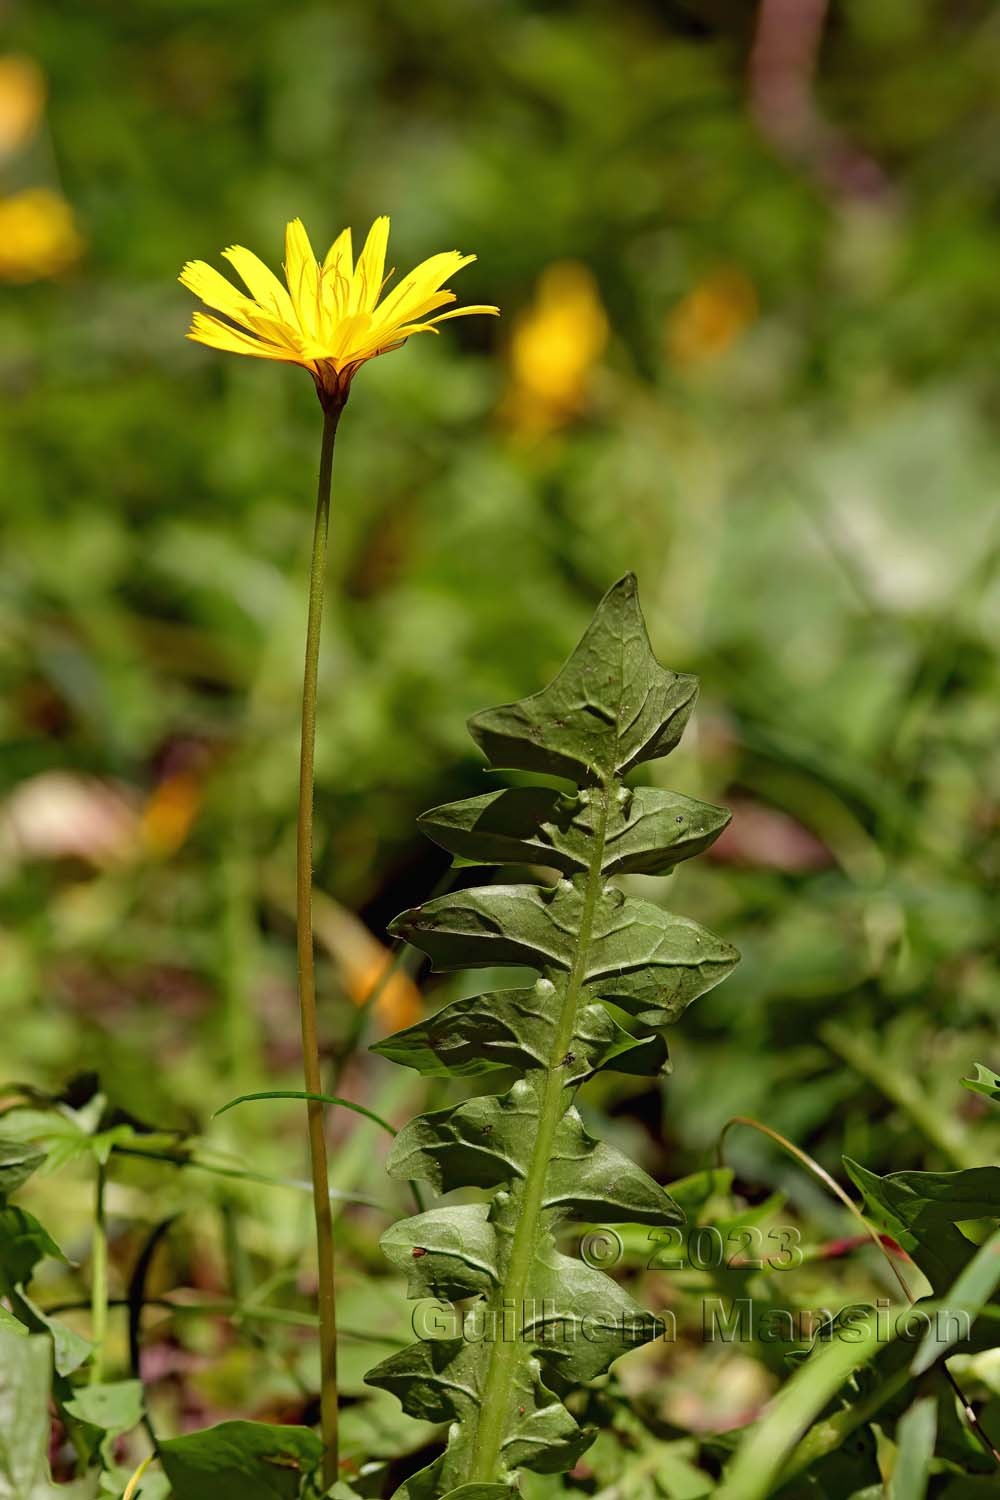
point(649, 830)
point(516, 1029)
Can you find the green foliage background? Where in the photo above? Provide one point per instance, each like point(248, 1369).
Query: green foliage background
point(810, 512)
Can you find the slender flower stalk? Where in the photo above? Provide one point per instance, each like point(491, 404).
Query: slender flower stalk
point(329, 319)
point(307, 970)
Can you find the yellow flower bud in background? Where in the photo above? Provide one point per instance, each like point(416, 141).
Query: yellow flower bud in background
point(557, 341)
point(39, 236)
point(22, 100)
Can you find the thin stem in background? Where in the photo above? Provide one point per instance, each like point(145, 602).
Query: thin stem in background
point(307, 974)
point(238, 1312)
point(813, 1166)
point(99, 1278)
point(243, 1174)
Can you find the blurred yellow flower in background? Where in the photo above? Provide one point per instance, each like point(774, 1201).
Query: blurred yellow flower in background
point(710, 319)
point(39, 236)
point(329, 320)
point(22, 100)
point(171, 810)
point(556, 343)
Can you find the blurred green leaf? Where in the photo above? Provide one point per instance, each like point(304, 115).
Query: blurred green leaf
point(241, 1461)
point(100, 1413)
point(17, 1163)
point(69, 1349)
point(915, 1449)
point(23, 1243)
point(25, 1370)
point(10, 1324)
point(757, 1462)
point(969, 1294)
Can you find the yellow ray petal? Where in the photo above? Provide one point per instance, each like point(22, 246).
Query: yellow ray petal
point(422, 282)
point(219, 335)
point(438, 268)
point(260, 281)
point(463, 312)
point(213, 289)
point(341, 254)
point(350, 334)
point(371, 267)
point(372, 347)
point(406, 330)
point(302, 275)
point(390, 336)
point(413, 314)
point(273, 330)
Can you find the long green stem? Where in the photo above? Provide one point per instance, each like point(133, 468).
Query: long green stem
point(99, 1279)
point(504, 1351)
point(307, 974)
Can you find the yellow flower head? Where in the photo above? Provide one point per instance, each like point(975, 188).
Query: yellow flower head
point(329, 318)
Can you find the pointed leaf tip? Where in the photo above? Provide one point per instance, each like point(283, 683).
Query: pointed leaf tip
point(609, 708)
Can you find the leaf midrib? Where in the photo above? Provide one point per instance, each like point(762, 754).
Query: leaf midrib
point(504, 1353)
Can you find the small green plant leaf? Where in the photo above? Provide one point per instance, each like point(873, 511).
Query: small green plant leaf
point(70, 1349)
point(24, 1243)
point(457, 1252)
point(64, 1134)
point(241, 1461)
point(10, 1324)
point(921, 1210)
point(536, 1322)
point(984, 1081)
point(25, 1377)
point(101, 1413)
